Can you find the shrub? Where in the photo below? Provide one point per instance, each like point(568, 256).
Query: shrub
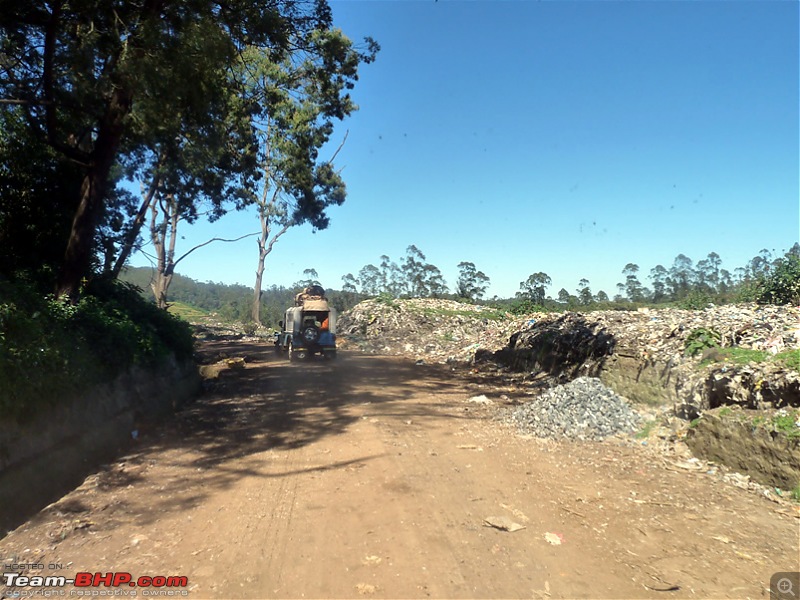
point(50, 349)
point(695, 300)
point(525, 307)
point(700, 339)
point(782, 286)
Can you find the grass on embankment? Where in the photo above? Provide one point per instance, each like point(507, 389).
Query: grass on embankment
point(50, 349)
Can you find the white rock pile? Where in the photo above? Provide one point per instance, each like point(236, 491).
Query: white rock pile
point(583, 409)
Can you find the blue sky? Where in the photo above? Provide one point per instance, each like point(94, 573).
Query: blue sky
point(564, 137)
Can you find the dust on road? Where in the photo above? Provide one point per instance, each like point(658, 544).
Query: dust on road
point(373, 477)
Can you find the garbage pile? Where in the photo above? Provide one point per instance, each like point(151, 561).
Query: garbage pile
point(661, 334)
point(444, 330)
point(582, 409)
point(427, 329)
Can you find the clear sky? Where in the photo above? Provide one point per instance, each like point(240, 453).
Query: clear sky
point(565, 137)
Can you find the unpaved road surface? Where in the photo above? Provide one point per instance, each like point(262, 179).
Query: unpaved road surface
point(372, 477)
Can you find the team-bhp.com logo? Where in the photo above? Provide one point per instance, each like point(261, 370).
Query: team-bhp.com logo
point(22, 586)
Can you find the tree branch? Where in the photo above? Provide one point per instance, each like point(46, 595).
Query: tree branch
point(274, 239)
point(213, 240)
point(346, 133)
point(25, 102)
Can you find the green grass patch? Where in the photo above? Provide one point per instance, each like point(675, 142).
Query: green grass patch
point(787, 424)
point(746, 356)
point(645, 431)
point(785, 421)
point(743, 356)
point(790, 358)
point(387, 300)
point(489, 313)
point(795, 493)
point(186, 312)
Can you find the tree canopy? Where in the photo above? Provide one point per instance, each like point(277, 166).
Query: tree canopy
point(146, 89)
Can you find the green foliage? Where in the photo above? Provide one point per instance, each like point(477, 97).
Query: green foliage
point(37, 200)
point(471, 284)
point(232, 303)
point(746, 356)
point(152, 89)
point(795, 493)
point(645, 431)
point(533, 288)
point(782, 285)
point(387, 300)
point(695, 300)
point(187, 313)
point(525, 306)
point(51, 348)
point(414, 278)
point(700, 339)
point(488, 313)
point(787, 423)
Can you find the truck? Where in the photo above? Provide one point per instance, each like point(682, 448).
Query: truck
point(309, 327)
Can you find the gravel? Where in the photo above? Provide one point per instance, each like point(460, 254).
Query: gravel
point(582, 409)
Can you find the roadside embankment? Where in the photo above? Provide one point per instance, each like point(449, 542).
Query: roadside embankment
point(41, 458)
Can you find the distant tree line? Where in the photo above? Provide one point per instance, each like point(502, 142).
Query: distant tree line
point(764, 278)
point(686, 284)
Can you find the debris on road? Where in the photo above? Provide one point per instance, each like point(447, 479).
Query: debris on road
point(502, 523)
point(556, 539)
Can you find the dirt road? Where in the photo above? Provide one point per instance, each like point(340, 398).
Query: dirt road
point(373, 477)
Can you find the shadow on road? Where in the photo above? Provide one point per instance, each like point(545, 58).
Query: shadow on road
point(246, 416)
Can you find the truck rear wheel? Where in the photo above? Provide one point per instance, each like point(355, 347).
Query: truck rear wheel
point(294, 354)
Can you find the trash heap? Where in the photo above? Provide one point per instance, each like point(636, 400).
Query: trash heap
point(429, 329)
point(661, 334)
point(583, 409)
point(444, 330)
point(641, 353)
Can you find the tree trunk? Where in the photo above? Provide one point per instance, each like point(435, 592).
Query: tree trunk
point(159, 286)
point(78, 255)
point(264, 249)
point(136, 227)
point(162, 234)
point(256, 310)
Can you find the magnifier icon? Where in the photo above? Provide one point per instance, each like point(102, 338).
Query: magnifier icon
point(785, 586)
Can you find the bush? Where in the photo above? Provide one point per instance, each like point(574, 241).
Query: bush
point(782, 286)
point(701, 339)
point(50, 349)
point(695, 300)
point(525, 307)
